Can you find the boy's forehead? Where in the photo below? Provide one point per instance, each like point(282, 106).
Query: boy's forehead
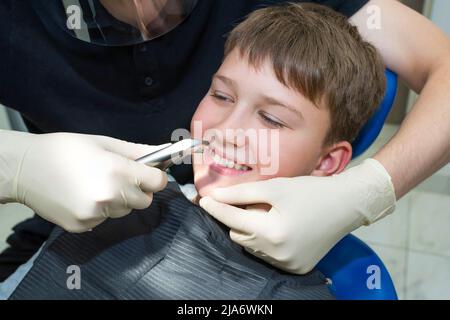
point(237, 68)
point(237, 71)
point(241, 59)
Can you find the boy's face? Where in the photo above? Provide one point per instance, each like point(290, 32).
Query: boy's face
point(252, 119)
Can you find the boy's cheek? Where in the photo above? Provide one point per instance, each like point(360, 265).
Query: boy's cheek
point(199, 125)
point(202, 117)
point(300, 163)
point(195, 122)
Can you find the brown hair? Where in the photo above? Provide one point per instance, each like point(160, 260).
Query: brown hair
point(317, 52)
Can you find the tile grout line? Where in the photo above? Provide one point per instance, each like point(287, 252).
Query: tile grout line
point(408, 241)
point(410, 249)
point(433, 254)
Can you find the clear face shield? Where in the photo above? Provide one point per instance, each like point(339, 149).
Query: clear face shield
point(118, 22)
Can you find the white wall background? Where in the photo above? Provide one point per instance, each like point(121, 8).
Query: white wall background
point(4, 122)
point(440, 14)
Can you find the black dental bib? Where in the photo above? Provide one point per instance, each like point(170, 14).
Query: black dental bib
point(172, 250)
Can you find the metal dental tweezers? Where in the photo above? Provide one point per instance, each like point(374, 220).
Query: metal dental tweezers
point(172, 154)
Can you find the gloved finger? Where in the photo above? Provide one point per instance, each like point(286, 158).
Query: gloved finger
point(116, 211)
point(72, 223)
point(148, 179)
point(246, 193)
point(135, 198)
point(243, 239)
point(261, 255)
point(77, 226)
point(237, 219)
point(248, 242)
point(127, 149)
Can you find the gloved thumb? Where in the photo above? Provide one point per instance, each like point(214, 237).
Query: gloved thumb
point(245, 193)
point(239, 220)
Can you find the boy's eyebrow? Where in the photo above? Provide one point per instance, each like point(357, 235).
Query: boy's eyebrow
point(273, 101)
point(226, 80)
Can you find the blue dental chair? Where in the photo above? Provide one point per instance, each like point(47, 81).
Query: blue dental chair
point(349, 264)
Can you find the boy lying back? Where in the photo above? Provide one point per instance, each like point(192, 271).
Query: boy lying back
point(295, 87)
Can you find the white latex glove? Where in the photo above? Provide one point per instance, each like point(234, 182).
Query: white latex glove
point(76, 181)
point(309, 215)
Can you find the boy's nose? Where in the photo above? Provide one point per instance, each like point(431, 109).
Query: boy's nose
point(235, 125)
point(228, 137)
point(233, 144)
point(236, 137)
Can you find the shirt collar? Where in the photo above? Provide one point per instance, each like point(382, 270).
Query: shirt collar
point(188, 189)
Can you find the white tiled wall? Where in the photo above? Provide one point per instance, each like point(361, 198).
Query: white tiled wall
point(428, 276)
point(4, 122)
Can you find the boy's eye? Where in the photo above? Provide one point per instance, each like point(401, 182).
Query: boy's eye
point(270, 120)
point(221, 96)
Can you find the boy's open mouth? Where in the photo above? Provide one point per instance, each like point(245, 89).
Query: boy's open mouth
point(225, 166)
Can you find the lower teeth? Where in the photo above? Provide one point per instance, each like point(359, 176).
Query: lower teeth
point(218, 161)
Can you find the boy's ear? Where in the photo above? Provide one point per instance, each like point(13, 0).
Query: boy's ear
point(334, 160)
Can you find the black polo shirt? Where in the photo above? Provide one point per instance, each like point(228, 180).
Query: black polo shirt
point(138, 93)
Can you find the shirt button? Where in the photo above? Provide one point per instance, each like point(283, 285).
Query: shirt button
point(142, 48)
point(148, 81)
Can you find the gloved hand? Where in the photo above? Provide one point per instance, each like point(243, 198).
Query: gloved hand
point(76, 181)
point(308, 215)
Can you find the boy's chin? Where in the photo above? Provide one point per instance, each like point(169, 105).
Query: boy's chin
point(206, 182)
point(206, 187)
point(205, 191)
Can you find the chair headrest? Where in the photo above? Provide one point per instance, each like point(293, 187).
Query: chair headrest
point(372, 128)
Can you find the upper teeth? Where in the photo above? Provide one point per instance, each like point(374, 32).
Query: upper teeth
point(229, 164)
